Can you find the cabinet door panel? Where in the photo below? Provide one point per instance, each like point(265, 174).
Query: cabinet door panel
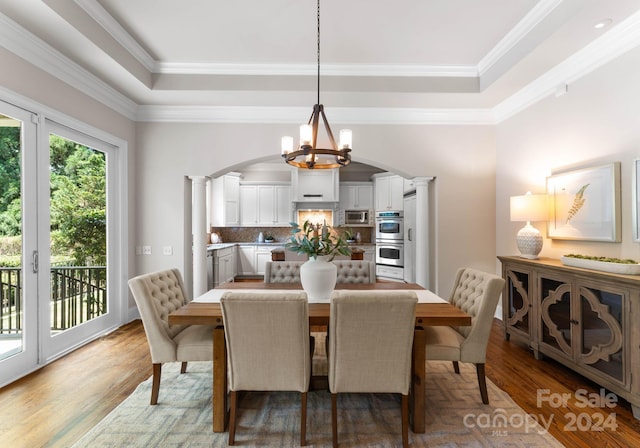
point(601, 331)
point(555, 311)
point(518, 307)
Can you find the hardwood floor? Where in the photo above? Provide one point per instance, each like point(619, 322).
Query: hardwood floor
point(54, 406)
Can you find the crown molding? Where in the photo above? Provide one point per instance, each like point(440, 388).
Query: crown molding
point(111, 26)
point(539, 12)
point(42, 55)
point(341, 115)
point(609, 46)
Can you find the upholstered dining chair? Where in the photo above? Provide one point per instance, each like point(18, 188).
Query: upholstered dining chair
point(156, 295)
point(282, 271)
point(370, 347)
point(267, 337)
point(477, 294)
point(355, 271)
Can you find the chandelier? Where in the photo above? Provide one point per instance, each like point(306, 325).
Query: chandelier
point(308, 155)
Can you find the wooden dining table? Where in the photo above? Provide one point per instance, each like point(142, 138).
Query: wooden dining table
point(206, 310)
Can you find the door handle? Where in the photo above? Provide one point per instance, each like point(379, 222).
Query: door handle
point(34, 261)
point(410, 236)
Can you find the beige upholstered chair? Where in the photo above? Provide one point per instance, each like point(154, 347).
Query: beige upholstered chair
point(158, 294)
point(355, 271)
point(368, 350)
point(282, 271)
point(267, 338)
point(477, 294)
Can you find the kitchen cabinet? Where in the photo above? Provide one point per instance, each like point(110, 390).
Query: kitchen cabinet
point(389, 192)
point(225, 200)
point(315, 185)
point(356, 196)
point(222, 266)
point(582, 318)
point(252, 258)
point(265, 205)
point(246, 259)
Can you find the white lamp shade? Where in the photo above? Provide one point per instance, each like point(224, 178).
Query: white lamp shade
point(305, 134)
point(529, 207)
point(287, 144)
point(345, 138)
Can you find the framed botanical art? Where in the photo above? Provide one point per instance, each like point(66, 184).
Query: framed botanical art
point(584, 204)
point(636, 200)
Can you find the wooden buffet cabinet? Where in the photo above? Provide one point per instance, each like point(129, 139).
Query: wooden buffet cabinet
point(587, 320)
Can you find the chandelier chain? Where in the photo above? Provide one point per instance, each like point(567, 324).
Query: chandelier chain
point(318, 52)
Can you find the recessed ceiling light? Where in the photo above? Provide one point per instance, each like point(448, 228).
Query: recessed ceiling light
point(603, 24)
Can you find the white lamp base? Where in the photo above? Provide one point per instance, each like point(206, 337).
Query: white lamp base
point(529, 242)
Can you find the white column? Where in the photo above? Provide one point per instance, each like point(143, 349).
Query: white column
point(199, 235)
point(422, 232)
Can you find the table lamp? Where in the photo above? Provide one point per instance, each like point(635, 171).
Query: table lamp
point(529, 207)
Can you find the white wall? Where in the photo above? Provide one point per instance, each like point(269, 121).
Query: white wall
point(462, 158)
point(597, 121)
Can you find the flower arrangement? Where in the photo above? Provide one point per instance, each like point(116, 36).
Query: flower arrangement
point(317, 241)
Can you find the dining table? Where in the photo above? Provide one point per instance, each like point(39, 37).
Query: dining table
point(431, 310)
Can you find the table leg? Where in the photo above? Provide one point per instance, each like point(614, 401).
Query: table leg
point(417, 383)
point(219, 380)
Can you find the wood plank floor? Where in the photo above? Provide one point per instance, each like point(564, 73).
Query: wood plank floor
point(54, 406)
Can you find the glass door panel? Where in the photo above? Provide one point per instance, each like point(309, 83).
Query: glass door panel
point(18, 278)
point(78, 225)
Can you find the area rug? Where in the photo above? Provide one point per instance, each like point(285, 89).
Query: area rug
point(455, 416)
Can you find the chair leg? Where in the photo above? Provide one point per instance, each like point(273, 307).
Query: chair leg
point(303, 419)
point(183, 367)
point(334, 419)
point(405, 421)
point(232, 416)
point(482, 382)
point(456, 367)
point(155, 385)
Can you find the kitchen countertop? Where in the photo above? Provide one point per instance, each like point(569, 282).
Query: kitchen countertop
point(275, 244)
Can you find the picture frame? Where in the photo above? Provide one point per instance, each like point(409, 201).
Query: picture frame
point(584, 204)
point(636, 200)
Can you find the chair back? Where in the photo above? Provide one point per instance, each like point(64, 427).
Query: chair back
point(477, 294)
point(355, 271)
point(267, 336)
point(371, 340)
point(157, 294)
point(282, 271)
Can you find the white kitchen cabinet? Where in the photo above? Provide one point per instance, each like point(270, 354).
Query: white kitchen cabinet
point(225, 200)
point(315, 185)
point(389, 191)
point(265, 205)
point(222, 266)
point(246, 259)
point(262, 255)
point(356, 196)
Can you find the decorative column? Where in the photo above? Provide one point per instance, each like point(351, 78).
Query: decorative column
point(199, 235)
point(422, 233)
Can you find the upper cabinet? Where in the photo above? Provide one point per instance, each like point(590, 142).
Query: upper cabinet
point(389, 192)
point(265, 205)
point(225, 200)
point(315, 185)
point(356, 196)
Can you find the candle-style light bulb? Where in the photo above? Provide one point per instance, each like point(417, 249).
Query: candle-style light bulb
point(345, 138)
point(287, 144)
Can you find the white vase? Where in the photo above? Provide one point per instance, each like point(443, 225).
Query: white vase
point(318, 277)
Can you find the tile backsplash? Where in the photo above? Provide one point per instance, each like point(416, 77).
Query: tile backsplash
point(281, 234)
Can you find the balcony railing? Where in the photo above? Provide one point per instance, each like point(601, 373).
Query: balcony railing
point(78, 294)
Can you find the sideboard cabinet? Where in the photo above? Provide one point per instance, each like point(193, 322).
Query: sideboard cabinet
point(587, 320)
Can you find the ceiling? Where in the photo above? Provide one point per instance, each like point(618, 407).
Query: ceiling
point(381, 61)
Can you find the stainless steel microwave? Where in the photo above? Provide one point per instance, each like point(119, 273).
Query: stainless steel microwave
point(361, 218)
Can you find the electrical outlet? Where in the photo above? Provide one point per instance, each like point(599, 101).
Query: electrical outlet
point(167, 250)
point(146, 250)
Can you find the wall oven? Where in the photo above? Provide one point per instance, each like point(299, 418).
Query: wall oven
point(390, 254)
point(389, 226)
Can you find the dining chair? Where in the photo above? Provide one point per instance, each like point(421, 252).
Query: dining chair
point(355, 271)
point(267, 338)
point(157, 294)
point(370, 347)
point(282, 271)
point(476, 293)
